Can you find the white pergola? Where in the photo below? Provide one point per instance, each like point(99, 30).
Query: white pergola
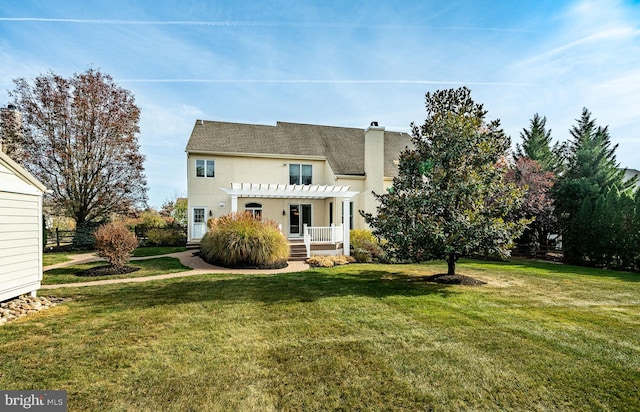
point(283, 191)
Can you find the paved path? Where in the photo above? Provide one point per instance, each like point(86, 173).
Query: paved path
point(187, 258)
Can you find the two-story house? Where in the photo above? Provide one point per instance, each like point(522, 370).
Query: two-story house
point(304, 177)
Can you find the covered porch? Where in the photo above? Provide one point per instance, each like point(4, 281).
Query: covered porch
point(323, 239)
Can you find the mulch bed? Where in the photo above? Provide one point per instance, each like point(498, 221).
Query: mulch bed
point(278, 265)
point(445, 279)
point(107, 270)
point(242, 265)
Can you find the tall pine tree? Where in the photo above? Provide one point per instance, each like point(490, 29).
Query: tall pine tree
point(591, 169)
point(536, 145)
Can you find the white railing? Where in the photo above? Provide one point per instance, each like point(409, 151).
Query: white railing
point(318, 234)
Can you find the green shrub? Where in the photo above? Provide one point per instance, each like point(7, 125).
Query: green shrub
point(115, 243)
point(84, 236)
point(167, 236)
point(362, 255)
point(366, 247)
point(239, 239)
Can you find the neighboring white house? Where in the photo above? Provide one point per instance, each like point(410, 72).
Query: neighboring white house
point(306, 178)
point(630, 174)
point(20, 230)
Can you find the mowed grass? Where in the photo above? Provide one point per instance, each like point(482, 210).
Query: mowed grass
point(147, 267)
point(157, 250)
point(358, 337)
point(52, 258)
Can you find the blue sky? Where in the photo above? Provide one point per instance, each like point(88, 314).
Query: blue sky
point(342, 63)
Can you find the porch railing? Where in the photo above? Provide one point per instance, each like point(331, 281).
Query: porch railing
point(319, 234)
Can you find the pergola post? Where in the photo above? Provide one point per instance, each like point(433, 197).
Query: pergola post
point(346, 226)
point(234, 203)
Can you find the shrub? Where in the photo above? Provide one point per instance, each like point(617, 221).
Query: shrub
point(239, 239)
point(366, 247)
point(329, 261)
point(362, 255)
point(167, 236)
point(84, 236)
point(115, 243)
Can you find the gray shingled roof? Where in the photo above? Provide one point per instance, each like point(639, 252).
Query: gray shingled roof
point(342, 146)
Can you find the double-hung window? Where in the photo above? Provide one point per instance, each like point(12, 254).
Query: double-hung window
point(205, 168)
point(300, 174)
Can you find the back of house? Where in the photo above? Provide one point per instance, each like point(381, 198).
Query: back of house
point(298, 175)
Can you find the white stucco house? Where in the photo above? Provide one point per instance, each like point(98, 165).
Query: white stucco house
point(20, 230)
point(312, 180)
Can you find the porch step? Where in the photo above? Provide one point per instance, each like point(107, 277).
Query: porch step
point(298, 252)
point(193, 245)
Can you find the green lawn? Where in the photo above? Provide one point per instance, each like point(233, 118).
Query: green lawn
point(52, 258)
point(357, 337)
point(148, 267)
point(157, 250)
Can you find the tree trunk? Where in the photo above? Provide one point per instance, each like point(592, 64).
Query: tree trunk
point(451, 264)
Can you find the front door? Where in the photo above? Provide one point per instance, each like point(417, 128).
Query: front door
point(199, 226)
point(299, 215)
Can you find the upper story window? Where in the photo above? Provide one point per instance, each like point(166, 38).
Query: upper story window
point(300, 174)
point(205, 168)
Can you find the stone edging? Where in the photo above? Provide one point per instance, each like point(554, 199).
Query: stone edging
point(25, 305)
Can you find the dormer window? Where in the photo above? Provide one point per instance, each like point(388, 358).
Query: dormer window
point(300, 174)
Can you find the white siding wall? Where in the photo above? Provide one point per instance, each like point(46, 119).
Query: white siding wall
point(20, 236)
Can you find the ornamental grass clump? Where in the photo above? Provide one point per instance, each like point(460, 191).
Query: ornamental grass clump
point(330, 261)
point(115, 243)
point(241, 240)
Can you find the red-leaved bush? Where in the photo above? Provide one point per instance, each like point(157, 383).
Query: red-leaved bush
point(115, 243)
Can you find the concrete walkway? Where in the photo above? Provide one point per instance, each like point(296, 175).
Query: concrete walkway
point(187, 258)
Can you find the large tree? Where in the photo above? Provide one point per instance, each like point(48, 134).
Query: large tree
point(591, 170)
point(80, 139)
point(450, 198)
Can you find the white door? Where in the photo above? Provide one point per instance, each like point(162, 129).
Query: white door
point(199, 225)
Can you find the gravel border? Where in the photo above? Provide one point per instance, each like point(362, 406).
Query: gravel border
point(26, 305)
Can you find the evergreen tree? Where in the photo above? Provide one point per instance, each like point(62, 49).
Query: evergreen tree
point(626, 238)
point(598, 250)
point(536, 145)
point(591, 169)
point(577, 243)
point(635, 230)
point(450, 198)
